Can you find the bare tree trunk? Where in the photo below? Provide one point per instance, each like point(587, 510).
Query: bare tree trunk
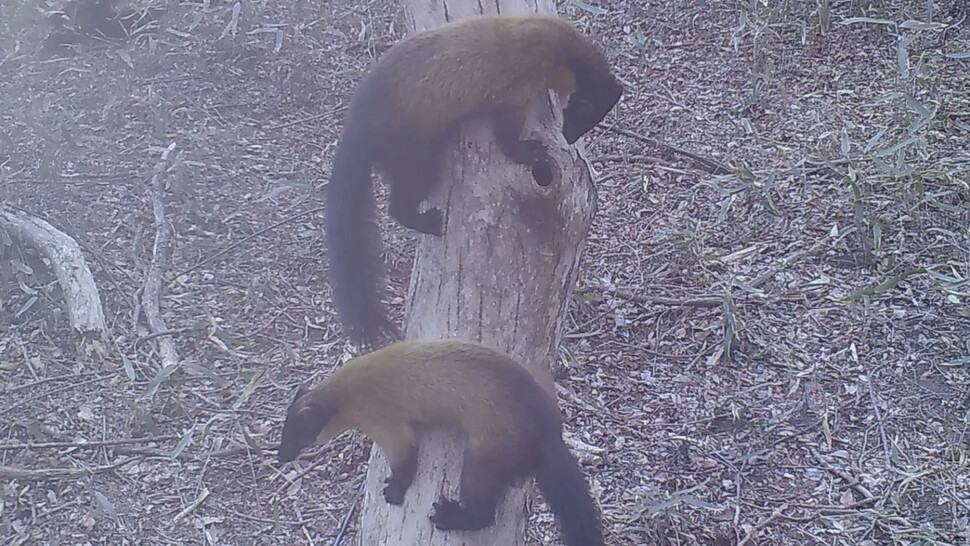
point(502, 275)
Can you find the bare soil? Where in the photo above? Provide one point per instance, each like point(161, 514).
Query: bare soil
point(774, 354)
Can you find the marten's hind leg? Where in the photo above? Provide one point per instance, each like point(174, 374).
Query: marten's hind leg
point(485, 477)
point(412, 170)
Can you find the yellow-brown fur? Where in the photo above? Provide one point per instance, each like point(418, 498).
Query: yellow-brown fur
point(435, 90)
point(372, 387)
point(512, 427)
point(408, 107)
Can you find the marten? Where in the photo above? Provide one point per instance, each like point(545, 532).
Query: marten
point(512, 426)
point(404, 112)
point(103, 20)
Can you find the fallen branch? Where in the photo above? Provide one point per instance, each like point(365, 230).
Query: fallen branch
point(850, 481)
point(249, 237)
point(875, 401)
point(11, 408)
point(630, 158)
point(708, 164)
point(11, 473)
point(345, 522)
point(710, 300)
point(785, 262)
point(759, 526)
point(80, 292)
point(172, 332)
point(153, 281)
point(32, 384)
point(97, 443)
point(192, 507)
point(699, 301)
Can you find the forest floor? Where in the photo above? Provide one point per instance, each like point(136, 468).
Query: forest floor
point(769, 346)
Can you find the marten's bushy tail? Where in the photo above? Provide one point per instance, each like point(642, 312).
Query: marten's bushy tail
point(353, 240)
point(564, 486)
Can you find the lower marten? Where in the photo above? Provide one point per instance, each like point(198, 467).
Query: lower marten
point(406, 109)
point(512, 426)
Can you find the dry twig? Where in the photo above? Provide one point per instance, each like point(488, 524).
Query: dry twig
point(785, 262)
point(10, 409)
point(245, 239)
point(153, 280)
point(777, 513)
point(705, 300)
point(11, 473)
point(102, 443)
point(710, 165)
point(204, 494)
point(345, 522)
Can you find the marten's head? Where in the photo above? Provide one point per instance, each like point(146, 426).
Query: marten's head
point(305, 419)
point(597, 91)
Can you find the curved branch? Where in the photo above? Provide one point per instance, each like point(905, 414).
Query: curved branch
point(80, 292)
point(153, 279)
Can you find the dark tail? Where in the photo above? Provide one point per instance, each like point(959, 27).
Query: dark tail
point(564, 486)
point(353, 240)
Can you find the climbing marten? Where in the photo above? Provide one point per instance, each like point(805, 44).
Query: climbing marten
point(512, 426)
point(406, 109)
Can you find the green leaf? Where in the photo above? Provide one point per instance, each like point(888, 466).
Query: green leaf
point(146, 418)
point(869, 20)
point(26, 306)
point(210, 422)
point(251, 442)
point(202, 370)
point(161, 376)
point(962, 361)
point(249, 389)
point(106, 506)
point(129, 369)
point(21, 266)
point(874, 141)
point(883, 152)
point(919, 25)
point(183, 442)
point(885, 286)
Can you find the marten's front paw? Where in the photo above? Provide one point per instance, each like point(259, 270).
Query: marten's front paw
point(434, 221)
point(393, 492)
point(447, 514)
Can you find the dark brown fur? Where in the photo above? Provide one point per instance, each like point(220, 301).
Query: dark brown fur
point(107, 21)
point(513, 429)
point(405, 111)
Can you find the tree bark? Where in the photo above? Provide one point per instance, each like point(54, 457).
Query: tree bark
point(502, 275)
